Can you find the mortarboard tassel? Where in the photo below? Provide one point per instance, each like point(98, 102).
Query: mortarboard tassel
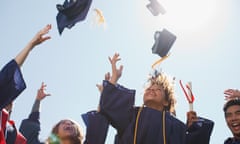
point(160, 60)
point(99, 19)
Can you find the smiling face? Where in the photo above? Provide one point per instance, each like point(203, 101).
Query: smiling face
point(67, 128)
point(154, 97)
point(232, 117)
point(159, 92)
point(68, 132)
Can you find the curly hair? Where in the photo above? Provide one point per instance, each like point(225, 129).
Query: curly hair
point(76, 139)
point(167, 83)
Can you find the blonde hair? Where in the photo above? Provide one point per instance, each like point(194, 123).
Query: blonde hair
point(167, 83)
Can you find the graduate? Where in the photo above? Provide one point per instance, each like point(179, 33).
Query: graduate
point(12, 82)
point(232, 115)
point(64, 132)
point(30, 127)
point(154, 122)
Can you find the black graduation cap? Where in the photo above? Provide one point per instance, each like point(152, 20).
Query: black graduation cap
point(163, 42)
point(155, 7)
point(71, 12)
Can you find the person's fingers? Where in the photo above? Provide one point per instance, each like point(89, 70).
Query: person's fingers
point(43, 86)
point(100, 87)
point(229, 91)
point(121, 68)
point(107, 76)
point(48, 94)
point(191, 115)
point(46, 29)
point(116, 55)
point(45, 38)
point(110, 59)
point(118, 59)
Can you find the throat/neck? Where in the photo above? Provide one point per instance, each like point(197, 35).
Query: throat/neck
point(156, 107)
point(237, 136)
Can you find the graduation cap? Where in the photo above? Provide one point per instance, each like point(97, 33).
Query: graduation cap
point(155, 7)
point(163, 42)
point(71, 12)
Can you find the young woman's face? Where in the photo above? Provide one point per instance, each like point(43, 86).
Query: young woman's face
point(154, 97)
point(66, 129)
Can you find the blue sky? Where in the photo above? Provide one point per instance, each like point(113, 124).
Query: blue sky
point(205, 52)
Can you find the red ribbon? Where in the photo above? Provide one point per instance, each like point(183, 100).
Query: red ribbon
point(190, 98)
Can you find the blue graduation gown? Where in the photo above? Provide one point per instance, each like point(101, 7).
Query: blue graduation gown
point(11, 83)
point(30, 128)
point(232, 141)
point(117, 104)
point(97, 127)
point(199, 132)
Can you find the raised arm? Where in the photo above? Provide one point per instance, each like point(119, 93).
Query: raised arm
point(116, 102)
point(41, 94)
point(37, 39)
point(30, 127)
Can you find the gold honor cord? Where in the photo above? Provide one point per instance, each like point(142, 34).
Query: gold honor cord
point(163, 125)
point(160, 60)
point(136, 126)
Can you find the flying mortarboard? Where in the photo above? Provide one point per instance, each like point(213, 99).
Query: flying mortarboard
point(163, 42)
point(155, 7)
point(72, 12)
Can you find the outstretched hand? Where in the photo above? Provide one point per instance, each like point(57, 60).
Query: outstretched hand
point(39, 37)
point(232, 94)
point(116, 72)
point(41, 94)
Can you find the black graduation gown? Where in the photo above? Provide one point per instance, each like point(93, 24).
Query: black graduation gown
point(30, 128)
point(97, 127)
point(117, 104)
point(11, 83)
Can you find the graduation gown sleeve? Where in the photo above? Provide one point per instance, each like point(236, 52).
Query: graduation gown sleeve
point(97, 127)
point(30, 128)
point(116, 103)
point(11, 83)
point(200, 132)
